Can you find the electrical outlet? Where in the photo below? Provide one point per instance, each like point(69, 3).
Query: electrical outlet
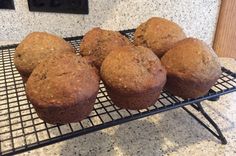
point(59, 6)
point(7, 4)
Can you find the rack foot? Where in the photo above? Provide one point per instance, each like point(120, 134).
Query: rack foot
point(218, 134)
point(214, 98)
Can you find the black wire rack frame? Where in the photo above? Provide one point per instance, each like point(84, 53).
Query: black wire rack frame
point(22, 130)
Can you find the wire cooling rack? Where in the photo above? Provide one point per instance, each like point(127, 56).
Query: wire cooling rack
point(22, 130)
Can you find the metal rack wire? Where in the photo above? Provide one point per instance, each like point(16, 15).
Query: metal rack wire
point(22, 130)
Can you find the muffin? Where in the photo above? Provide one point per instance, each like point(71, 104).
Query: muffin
point(192, 68)
point(133, 77)
point(35, 48)
point(98, 43)
point(158, 34)
point(63, 88)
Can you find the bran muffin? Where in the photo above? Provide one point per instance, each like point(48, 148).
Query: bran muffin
point(63, 88)
point(133, 77)
point(158, 34)
point(192, 68)
point(35, 48)
point(98, 43)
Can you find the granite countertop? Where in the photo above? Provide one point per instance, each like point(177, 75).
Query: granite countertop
point(2, 43)
point(169, 133)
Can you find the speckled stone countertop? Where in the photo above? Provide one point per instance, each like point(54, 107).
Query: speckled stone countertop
point(198, 18)
point(169, 133)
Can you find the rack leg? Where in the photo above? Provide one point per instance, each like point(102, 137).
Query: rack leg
point(219, 134)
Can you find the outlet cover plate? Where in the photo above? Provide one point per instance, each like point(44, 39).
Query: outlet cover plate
point(7, 4)
point(59, 6)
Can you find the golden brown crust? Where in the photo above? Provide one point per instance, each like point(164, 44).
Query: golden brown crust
point(131, 73)
point(136, 101)
point(63, 82)
point(192, 68)
point(98, 43)
point(35, 48)
point(158, 34)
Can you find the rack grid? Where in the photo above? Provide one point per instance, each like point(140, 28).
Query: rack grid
point(22, 130)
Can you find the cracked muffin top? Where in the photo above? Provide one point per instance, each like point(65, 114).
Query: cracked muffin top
point(158, 34)
point(132, 69)
point(35, 48)
point(98, 43)
point(192, 58)
point(63, 79)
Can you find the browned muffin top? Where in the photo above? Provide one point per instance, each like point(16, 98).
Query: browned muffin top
point(192, 58)
point(99, 43)
point(63, 79)
point(132, 69)
point(159, 34)
point(36, 47)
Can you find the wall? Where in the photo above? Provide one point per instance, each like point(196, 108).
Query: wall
point(198, 18)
